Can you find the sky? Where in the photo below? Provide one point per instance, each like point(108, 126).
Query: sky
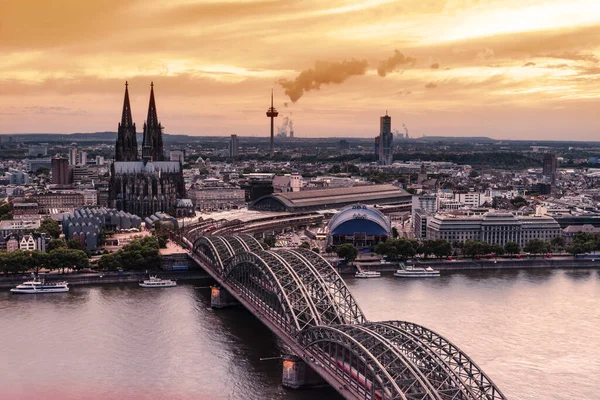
point(507, 69)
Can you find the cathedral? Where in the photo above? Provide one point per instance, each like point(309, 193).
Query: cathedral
point(144, 187)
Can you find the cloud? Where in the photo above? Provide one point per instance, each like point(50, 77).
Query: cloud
point(485, 54)
point(434, 66)
point(431, 85)
point(389, 65)
point(529, 64)
point(323, 73)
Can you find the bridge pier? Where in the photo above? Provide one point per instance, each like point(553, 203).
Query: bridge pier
point(221, 298)
point(297, 374)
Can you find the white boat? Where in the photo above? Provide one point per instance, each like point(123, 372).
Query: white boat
point(368, 274)
point(156, 282)
point(36, 285)
point(416, 272)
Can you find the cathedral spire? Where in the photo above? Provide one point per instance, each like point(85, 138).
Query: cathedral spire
point(152, 115)
point(152, 144)
point(126, 119)
point(126, 147)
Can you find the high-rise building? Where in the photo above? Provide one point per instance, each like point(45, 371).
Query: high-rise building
point(73, 154)
point(61, 173)
point(550, 165)
point(234, 146)
point(83, 158)
point(151, 185)
point(385, 140)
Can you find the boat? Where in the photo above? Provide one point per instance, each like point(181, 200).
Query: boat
point(156, 282)
point(416, 272)
point(368, 274)
point(37, 285)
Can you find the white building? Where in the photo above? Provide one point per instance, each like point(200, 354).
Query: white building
point(287, 183)
point(27, 243)
point(492, 227)
point(73, 155)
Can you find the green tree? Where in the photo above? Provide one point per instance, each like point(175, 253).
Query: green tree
point(138, 255)
point(473, 248)
point(42, 171)
point(497, 249)
point(55, 244)
point(63, 258)
point(558, 243)
point(50, 227)
point(441, 248)
point(75, 244)
point(395, 232)
point(347, 251)
point(537, 246)
point(316, 250)
point(512, 248)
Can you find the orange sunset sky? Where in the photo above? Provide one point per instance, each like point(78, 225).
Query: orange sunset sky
point(514, 69)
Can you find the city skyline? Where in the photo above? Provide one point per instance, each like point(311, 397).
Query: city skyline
point(504, 69)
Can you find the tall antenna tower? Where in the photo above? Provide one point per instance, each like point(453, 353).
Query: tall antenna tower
point(272, 113)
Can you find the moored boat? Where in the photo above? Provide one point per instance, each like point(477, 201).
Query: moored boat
point(37, 285)
point(367, 274)
point(156, 282)
point(416, 272)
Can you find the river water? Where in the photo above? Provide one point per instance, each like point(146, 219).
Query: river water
point(535, 333)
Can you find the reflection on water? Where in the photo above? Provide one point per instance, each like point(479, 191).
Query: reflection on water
point(532, 331)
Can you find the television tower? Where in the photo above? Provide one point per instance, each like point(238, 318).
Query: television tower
point(272, 113)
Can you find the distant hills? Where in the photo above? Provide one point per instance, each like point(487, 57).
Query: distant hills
point(88, 137)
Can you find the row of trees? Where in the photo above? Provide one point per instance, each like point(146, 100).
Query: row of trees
point(402, 248)
point(20, 261)
point(138, 255)
point(584, 242)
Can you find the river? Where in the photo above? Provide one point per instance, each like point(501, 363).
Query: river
point(535, 333)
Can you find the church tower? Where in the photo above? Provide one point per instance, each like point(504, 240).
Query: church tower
point(152, 144)
point(126, 149)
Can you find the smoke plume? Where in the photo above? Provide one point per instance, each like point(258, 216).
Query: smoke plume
point(323, 73)
point(389, 65)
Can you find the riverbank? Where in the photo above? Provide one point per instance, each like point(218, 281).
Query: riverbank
point(461, 265)
point(75, 278)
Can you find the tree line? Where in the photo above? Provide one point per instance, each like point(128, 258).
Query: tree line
point(139, 255)
point(19, 261)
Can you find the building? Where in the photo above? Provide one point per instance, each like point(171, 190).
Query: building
point(385, 140)
point(86, 224)
point(152, 184)
point(27, 243)
point(24, 210)
point(83, 158)
point(213, 194)
point(90, 197)
point(427, 202)
point(12, 244)
point(360, 225)
point(420, 220)
point(35, 164)
point(58, 201)
point(492, 228)
point(17, 227)
point(61, 173)
point(17, 177)
point(177, 155)
point(234, 146)
point(38, 150)
point(550, 165)
point(323, 199)
point(570, 231)
point(287, 183)
point(73, 154)
point(258, 185)
point(376, 148)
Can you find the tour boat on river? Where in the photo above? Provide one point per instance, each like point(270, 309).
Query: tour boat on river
point(368, 274)
point(37, 285)
point(416, 272)
point(156, 282)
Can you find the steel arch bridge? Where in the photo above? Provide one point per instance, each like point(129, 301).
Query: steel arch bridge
point(304, 301)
